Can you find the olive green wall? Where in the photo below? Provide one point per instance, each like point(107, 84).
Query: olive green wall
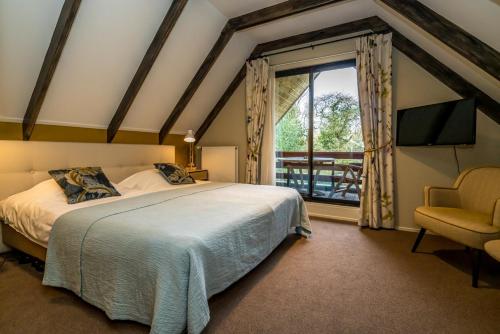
point(43, 132)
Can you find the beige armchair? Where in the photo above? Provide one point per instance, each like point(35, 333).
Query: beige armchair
point(468, 213)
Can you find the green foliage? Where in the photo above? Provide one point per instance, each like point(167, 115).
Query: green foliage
point(337, 126)
point(291, 134)
point(338, 123)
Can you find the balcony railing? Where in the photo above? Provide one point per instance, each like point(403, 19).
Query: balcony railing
point(335, 175)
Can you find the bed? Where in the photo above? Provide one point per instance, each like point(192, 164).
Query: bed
point(158, 253)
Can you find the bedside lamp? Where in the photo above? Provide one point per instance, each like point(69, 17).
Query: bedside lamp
point(189, 138)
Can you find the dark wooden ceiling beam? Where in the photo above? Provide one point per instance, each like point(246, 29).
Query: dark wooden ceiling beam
point(369, 24)
point(56, 46)
point(278, 11)
point(471, 48)
point(446, 75)
point(166, 27)
point(252, 19)
point(373, 24)
point(202, 72)
point(235, 83)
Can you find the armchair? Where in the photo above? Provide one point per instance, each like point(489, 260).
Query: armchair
point(468, 213)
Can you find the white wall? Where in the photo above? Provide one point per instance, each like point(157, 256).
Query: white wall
point(414, 166)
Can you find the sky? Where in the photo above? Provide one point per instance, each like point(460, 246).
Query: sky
point(341, 80)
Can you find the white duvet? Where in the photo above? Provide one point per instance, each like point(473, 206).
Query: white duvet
point(34, 211)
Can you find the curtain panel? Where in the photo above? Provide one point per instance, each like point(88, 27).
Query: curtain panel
point(257, 82)
point(374, 67)
point(268, 150)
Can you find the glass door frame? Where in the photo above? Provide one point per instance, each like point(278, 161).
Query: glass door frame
point(310, 70)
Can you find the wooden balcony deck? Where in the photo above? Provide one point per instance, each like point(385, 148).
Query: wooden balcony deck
point(336, 175)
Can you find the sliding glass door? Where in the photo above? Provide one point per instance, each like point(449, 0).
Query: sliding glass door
point(292, 136)
point(319, 147)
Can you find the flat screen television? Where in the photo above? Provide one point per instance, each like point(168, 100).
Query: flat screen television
point(449, 123)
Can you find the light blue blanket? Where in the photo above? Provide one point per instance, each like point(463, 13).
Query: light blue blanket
point(157, 258)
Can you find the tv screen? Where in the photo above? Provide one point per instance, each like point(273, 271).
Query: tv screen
point(449, 123)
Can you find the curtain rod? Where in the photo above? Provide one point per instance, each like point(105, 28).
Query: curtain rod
point(312, 59)
point(314, 45)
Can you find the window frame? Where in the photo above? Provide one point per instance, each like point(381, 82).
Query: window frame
point(310, 70)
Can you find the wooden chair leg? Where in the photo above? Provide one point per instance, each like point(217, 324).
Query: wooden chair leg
point(419, 238)
point(476, 264)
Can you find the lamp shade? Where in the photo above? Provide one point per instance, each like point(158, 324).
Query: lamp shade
point(189, 138)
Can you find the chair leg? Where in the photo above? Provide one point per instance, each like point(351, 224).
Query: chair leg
point(476, 264)
point(419, 238)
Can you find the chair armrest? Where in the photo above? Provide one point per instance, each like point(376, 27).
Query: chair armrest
point(439, 196)
point(496, 213)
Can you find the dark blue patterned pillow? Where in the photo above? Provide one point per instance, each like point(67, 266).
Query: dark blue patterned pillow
point(83, 184)
point(174, 173)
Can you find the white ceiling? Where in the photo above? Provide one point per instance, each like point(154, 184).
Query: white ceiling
point(443, 53)
point(232, 8)
point(109, 39)
point(22, 58)
point(312, 20)
point(193, 36)
point(101, 55)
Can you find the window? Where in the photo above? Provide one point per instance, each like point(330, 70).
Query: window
point(319, 146)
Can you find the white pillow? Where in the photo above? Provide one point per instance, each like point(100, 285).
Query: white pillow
point(45, 191)
point(34, 211)
point(147, 180)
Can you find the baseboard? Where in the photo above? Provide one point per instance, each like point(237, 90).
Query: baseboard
point(408, 229)
point(413, 230)
point(333, 218)
point(333, 212)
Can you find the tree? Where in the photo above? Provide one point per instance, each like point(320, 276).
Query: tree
point(337, 123)
point(337, 126)
point(291, 134)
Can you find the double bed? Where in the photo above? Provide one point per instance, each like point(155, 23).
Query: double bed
point(157, 253)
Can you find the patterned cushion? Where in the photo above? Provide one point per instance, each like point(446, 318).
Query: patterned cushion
point(83, 184)
point(175, 174)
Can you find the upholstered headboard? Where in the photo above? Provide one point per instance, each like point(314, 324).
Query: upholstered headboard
point(24, 164)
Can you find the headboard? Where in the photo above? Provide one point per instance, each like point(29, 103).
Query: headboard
point(24, 164)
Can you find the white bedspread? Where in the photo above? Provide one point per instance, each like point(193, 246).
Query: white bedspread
point(158, 258)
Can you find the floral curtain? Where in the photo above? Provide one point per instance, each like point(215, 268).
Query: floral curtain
point(374, 67)
point(257, 81)
point(268, 150)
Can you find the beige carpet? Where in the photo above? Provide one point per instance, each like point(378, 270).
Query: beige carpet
point(343, 280)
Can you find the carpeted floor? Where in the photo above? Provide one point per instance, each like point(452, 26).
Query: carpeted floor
point(343, 280)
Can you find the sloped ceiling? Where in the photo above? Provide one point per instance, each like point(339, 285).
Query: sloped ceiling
point(109, 39)
point(443, 53)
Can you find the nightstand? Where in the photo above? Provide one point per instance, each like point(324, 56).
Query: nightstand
point(199, 174)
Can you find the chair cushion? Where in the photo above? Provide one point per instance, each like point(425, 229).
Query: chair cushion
point(467, 227)
point(493, 248)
